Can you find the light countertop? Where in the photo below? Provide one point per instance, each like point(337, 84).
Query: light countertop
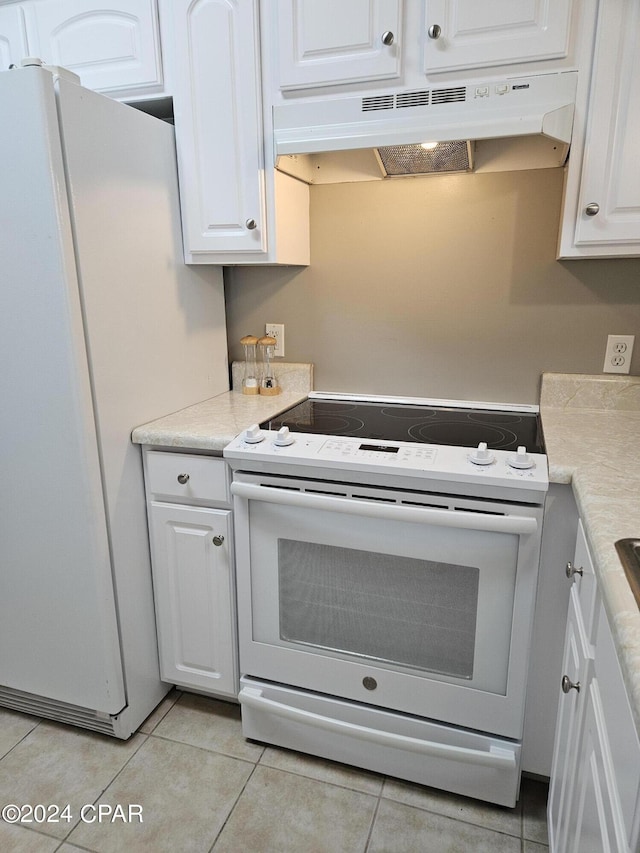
point(591, 427)
point(592, 432)
point(212, 424)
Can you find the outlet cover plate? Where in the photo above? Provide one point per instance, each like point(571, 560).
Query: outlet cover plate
point(276, 330)
point(617, 357)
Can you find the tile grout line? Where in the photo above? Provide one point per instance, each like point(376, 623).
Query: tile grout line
point(367, 845)
point(145, 738)
point(40, 720)
point(232, 809)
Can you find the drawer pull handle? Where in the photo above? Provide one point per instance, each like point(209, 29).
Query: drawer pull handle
point(183, 478)
point(434, 31)
point(388, 38)
point(572, 570)
point(218, 540)
point(496, 756)
point(568, 685)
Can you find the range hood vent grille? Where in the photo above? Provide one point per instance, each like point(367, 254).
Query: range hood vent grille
point(377, 102)
point(412, 99)
point(457, 95)
point(420, 98)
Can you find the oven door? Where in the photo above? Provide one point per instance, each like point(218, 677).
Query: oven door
point(413, 602)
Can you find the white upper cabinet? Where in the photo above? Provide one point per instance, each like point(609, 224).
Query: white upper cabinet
point(332, 42)
point(114, 48)
point(218, 125)
point(13, 36)
point(465, 34)
point(234, 208)
point(364, 43)
point(602, 205)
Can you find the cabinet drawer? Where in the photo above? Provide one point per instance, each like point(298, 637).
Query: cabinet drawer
point(187, 478)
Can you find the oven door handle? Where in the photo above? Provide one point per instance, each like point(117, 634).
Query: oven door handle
point(496, 756)
point(492, 523)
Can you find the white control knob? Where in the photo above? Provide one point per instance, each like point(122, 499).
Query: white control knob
point(283, 437)
point(481, 455)
point(521, 459)
point(253, 435)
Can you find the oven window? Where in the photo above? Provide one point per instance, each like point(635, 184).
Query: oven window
point(401, 610)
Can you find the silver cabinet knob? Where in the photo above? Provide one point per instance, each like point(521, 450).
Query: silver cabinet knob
point(572, 570)
point(218, 540)
point(434, 31)
point(251, 224)
point(568, 685)
point(592, 209)
point(183, 478)
point(388, 38)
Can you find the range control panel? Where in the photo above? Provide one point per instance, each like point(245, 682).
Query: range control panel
point(479, 464)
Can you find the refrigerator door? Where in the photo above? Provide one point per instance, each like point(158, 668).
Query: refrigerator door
point(154, 327)
point(59, 634)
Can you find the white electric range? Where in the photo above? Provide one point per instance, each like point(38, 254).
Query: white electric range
point(387, 556)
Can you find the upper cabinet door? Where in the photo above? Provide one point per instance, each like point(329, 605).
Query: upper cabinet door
point(608, 208)
point(461, 34)
point(218, 114)
point(332, 42)
point(13, 39)
point(114, 49)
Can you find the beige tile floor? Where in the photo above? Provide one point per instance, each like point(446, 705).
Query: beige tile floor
point(202, 787)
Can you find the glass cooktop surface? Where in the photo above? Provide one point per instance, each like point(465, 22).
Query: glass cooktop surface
point(425, 424)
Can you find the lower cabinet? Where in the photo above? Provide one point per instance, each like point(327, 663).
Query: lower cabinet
point(595, 781)
point(191, 532)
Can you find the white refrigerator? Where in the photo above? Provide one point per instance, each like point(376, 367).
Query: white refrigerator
point(102, 328)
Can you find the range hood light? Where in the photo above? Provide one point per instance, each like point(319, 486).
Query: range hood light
point(426, 158)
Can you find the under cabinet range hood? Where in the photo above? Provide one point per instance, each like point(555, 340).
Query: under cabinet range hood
point(515, 123)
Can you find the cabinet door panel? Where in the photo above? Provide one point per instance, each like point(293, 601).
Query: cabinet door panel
point(480, 33)
point(218, 126)
point(595, 817)
point(194, 596)
point(13, 38)
point(610, 176)
point(336, 42)
point(111, 49)
point(577, 666)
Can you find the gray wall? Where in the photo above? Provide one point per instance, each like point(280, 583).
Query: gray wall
point(442, 286)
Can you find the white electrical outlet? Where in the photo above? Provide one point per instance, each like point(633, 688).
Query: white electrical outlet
point(617, 357)
point(276, 330)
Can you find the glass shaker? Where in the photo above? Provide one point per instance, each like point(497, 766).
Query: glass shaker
point(250, 384)
point(269, 383)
